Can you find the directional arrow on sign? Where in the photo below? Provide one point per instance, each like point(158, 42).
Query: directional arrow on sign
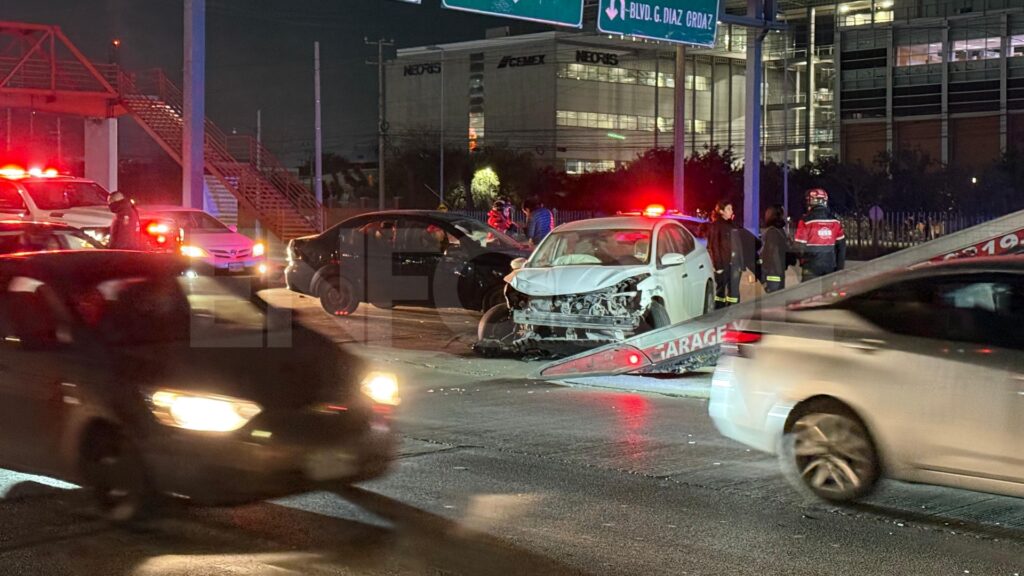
point(611, 11)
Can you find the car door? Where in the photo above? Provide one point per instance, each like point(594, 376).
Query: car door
point(379, 278)
point(36, 362)
point(418, 253)
point(941, 380)
point(697, 270)
point(674, 279)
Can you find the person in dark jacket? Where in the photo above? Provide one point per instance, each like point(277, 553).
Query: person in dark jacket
point(775, 254)
point(820, 238)
point(539, 222)
point(724, 246)
point(125, 230)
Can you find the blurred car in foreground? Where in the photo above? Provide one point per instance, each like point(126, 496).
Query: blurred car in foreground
point(918, 376)
point(125, 376)
point(602, 280)
point(412, 257)
point(207, 240)
point(21, 236)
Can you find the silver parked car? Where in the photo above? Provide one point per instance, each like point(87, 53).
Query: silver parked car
point(918, 376)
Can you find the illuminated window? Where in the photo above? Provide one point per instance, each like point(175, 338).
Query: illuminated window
point(584, 166)
point(1016, 45)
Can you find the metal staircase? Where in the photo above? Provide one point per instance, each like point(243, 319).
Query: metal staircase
point(220, 202)
point(249, 171)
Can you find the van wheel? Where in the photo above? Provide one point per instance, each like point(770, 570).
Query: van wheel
point(113, 469)
point(338, 296)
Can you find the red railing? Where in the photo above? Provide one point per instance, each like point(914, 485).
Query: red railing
point(243, 166)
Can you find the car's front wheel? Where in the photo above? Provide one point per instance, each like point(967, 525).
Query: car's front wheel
point(113, 469)
point(338, 296)
point(829, 452)
point(496, 324)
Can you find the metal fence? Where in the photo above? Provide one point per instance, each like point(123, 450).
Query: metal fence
point(867, 237)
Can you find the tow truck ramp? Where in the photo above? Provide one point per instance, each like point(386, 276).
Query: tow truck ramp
point(695, 342)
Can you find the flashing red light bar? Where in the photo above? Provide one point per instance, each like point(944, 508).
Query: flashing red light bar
point(15, 172)
point(654, 211)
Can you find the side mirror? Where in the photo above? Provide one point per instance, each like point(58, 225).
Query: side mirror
point(673, 259)
point(518, 263)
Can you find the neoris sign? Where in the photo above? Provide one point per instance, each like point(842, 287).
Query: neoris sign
point(520, 61)
point(597, 58)
point(421, 69)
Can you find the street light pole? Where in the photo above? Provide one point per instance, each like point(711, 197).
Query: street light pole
point(440, 187)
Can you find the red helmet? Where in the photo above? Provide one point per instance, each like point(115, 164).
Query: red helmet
point(817, 197)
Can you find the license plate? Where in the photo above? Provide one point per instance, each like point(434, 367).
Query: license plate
point(330, 465)
point(236, 267)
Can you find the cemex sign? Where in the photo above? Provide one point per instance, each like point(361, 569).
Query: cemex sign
point(559, 12)
point(683, 21)
point(520, 61)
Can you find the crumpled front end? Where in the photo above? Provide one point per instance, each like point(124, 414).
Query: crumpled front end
point(569, 323)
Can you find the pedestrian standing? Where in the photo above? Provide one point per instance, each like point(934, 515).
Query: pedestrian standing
point(820, 238)
point(775, 253)
point(723, 244)
point(497, 218)
point(539, 222)
point(125, 230)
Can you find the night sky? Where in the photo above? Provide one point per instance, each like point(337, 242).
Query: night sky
point(260, 55)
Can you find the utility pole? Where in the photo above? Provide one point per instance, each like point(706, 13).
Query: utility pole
point(318, 160)
point(440, 188)
point(679, 129)
point(382, 125)
point(8, 130)
point(60, 148)
point(657, 94)
point(192, 161)
point(752, 141)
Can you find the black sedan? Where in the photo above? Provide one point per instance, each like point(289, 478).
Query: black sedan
point(420, 258)
point(124, 375)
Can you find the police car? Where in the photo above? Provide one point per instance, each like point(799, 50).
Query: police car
point(693, 224)
point(39, 195)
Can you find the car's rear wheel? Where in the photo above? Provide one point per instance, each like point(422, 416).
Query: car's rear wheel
point(496, 324)
point(709, 298)
point(113, 469)
point(338, 296)
point(829, 452)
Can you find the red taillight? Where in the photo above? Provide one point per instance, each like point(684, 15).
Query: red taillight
point(616, 360)
point(733, 340)
point(740, 337)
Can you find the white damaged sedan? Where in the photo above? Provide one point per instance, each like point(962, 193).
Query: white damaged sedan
point(597, 281)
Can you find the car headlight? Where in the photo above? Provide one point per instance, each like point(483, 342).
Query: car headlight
point(193, 251)
point(258, 249)
point(382, 388)
point(202, 412)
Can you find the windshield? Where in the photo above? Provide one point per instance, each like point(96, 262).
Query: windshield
point(58, 195)
point(43, 238)
point(625, 247)
point(484, 235)
point(196, 221)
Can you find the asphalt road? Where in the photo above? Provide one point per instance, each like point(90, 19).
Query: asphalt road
point(502, 475)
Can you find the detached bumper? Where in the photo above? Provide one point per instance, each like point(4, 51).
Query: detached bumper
point(267, 460)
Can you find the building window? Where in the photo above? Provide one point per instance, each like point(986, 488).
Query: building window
point(584, 166)
point(603, 121)
point(975, 49)
point(915, 47)
point(1016, 45)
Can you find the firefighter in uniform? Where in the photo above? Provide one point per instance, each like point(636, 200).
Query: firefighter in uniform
point(820, 238)
point(724, 245)
point(775, 254)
